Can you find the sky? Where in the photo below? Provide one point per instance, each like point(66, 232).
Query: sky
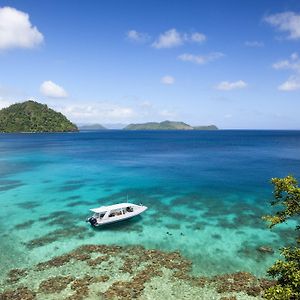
point(235, 64)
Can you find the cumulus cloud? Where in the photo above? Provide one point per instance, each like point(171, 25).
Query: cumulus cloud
point(168, 39)
point(109, 112)
point(50, 89)
point(172, 38)
point(293, 64)
point(288, 22)
point(16, 30)
point(200, 59)
point(254, 44)
point(292, 84)
point(98, 112)
point(228, 86)
point(136, 36)
point(167, 80)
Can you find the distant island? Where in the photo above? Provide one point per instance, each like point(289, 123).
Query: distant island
point(207, 127)
point(168, 125)
point(92, 127)
point(31, 116)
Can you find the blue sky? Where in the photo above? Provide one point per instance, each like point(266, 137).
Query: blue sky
point(230, 63)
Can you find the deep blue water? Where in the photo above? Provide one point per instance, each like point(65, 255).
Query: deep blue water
point(206, 192)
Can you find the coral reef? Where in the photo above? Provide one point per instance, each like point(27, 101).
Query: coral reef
point(240, 282)
point(15, 275)
point(21, 293)
point(55, 284)
point(114, 272)
point(24, 225)
point(56, 235)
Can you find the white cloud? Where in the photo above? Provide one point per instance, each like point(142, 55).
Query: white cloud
point(254, 44)
point(16, 31)
point(172, 38)
point(283, 64)
point(108, 112)
point(167, 80)
point(293, 64)
point(286, 22)
point(169, 39)
point(98, 112)
point(198, 37)
point(105, 112)
point(200, 59)
point(4, 103)
point(292, 84)
point(288, 64)
point(50, 89)
point(228, 86)
point(136, 36)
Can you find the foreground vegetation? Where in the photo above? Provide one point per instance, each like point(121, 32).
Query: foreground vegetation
point(31, 116)
point(287, 270)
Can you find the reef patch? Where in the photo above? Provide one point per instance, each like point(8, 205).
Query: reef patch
point(115, 272)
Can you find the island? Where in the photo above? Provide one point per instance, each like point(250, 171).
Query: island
point(207, 127)
point(90, 127)
point(168, 125)
point(31, 116)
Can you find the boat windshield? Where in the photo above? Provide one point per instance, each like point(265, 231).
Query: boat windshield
point(116, 212)
point(99, 215)
point(129, 209)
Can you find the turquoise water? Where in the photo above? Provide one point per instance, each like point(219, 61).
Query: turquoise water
point(206, 193)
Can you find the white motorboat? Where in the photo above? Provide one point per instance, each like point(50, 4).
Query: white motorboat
point(114, 213)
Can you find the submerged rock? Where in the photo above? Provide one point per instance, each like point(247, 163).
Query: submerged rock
point(265, 249)
point(15, 275)
point(21, 293)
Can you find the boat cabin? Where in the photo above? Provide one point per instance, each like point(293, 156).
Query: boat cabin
point(113, 213)
point(105, 212)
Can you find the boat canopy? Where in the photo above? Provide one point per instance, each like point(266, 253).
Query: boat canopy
point(103, 209)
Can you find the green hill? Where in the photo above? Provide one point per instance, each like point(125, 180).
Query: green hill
point(208, 127)
point(31, 116)
point(92, 127)
point(167, 125)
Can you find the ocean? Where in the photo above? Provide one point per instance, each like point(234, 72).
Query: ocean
point(206, 192)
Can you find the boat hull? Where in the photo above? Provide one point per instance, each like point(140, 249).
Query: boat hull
point(119, 219)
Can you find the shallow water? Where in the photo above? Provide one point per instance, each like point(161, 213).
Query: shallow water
point(206, 193)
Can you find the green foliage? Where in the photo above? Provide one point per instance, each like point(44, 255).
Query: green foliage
point(287, 271)
point(287, 197)
point(31, 116)
point(92, 127)
point(278, 292)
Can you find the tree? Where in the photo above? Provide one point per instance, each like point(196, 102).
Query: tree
point(286, 271)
